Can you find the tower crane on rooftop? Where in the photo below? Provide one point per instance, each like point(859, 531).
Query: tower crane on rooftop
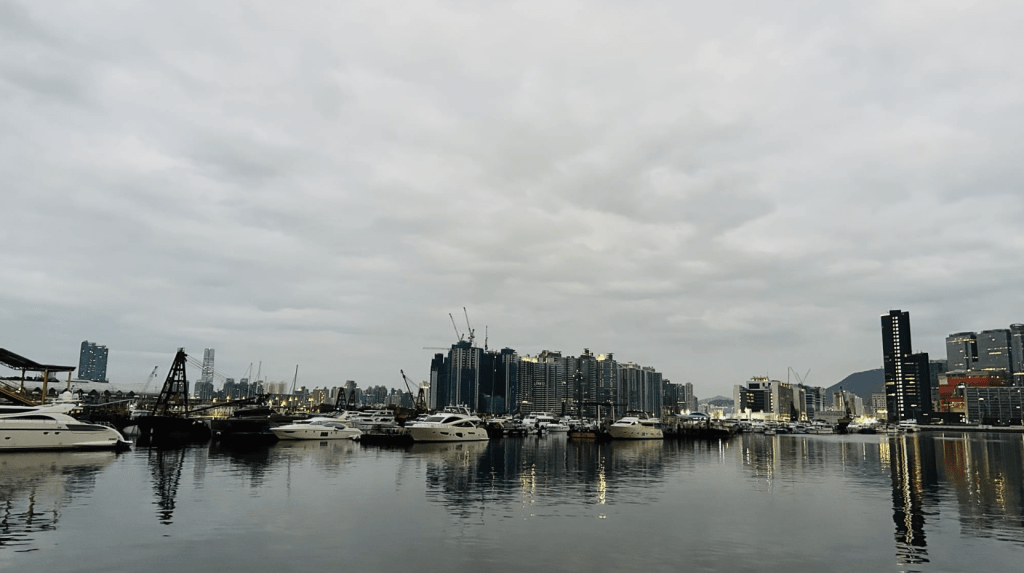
point(472, 333)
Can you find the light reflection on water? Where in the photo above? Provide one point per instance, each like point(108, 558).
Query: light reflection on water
point(767, 503)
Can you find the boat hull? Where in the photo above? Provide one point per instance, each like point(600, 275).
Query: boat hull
point(317, 433)
point(447, 434)
point(45, 435)
point(171, 430)
point(635, 433)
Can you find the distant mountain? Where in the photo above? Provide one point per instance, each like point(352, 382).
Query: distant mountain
point(861, 383)
point(716, 401)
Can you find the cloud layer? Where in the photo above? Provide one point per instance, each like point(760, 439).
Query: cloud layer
point(715, 191)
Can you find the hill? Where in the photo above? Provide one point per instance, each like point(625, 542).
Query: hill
point(719, 401)
point(861, 383)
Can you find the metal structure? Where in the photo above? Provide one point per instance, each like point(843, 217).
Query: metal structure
point(420, 405)
point(149, 380)
point(455, 327)
point(173, 398)
point(18, 362)
point(472, 333)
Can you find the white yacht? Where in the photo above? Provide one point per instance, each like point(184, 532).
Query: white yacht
point(316, 429)
point(543, 422)
point(633, 428)
point(374, 419)
point(555, 425)
point(51, 427)
point(449, 426)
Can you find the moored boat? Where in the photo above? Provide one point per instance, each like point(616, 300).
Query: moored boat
point(321, 428)
point(634, 428)
point(51, 427)
point(449, 426)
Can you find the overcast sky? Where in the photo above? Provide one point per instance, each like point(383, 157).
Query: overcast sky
point(717, 190)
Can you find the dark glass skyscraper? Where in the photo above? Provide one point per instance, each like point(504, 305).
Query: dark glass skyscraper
point(907, 386)
point(92, 362)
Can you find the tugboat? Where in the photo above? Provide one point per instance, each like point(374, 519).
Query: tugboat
point(168, 422)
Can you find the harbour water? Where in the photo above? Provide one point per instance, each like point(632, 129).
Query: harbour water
point(921, 502)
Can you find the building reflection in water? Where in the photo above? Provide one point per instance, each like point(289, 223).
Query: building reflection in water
point(35, 487)
point(981, 475)
point(914, 484)
point(523, 472)
point(987, 476)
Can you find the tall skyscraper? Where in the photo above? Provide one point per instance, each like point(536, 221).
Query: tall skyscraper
point(92, 362)
point(907, 386)
point(207, 375)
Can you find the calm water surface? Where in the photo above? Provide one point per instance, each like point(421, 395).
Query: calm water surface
point(926, 502)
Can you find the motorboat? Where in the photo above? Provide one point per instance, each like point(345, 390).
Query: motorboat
point(449, 426)
point(634, 428)
point(374, 419)
point(320, 428)
point(538, 422)
point(51, 427)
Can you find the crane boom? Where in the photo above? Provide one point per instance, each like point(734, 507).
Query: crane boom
point(455, 327)
point(150, 379)
point(472, 334)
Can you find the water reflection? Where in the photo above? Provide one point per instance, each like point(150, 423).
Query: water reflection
point(35, 487)
point(326, 454)
point(534, 472)
point(912, 466)
point(165, 466)
point(251, 462)
point(982, 473)
point(987, 476)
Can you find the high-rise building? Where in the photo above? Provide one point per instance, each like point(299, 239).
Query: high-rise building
point(207, 375)
point(907, 375)
point(229, 390)
point(994, 350)
point(1017, 353)
point(961, 351)
point(814, 400)
point(774, 399)
point(679, 398)
point(203, 391)
point(92, 362)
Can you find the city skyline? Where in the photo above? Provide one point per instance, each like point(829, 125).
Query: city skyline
point(720, 196)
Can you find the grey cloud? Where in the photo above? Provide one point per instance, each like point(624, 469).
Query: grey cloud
point(717, 191)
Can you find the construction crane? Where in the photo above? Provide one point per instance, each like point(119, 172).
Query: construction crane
point(149, 380)
point(342, 401)
point(472, 333)
point(421, 399)
point(455, 327)
point(800, 380)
